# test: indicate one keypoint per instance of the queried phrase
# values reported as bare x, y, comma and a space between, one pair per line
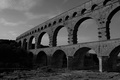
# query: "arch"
74, 14
32, 32
41, 28
76, 28
41, 59
56, 34
83, 11
110, 16
105, 2
38, 29
93, 7
25, 44
35, 31
59, 59
66, 18
39, 43
32, 42
114, 59
49, 24
45, 26
54, 22
85, 58
60, 20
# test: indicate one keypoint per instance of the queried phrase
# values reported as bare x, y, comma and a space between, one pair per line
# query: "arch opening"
43, 40
60, 20
59, 59
94, 6
86, 59
41, 59
85, 30
83, 11
49, 24
54, 22
105, 2
113, 23
45, 26
25, 44
32, 43
41, 28
60, 36
74, 14
114, 59
66, 18
38, 29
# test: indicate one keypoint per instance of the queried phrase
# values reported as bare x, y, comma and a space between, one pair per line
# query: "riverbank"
61, 74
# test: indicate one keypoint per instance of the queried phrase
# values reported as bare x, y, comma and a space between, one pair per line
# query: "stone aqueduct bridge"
73, 55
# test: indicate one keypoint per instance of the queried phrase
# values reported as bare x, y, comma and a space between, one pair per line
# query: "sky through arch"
87, 31
62, 37
115, 26
45, 39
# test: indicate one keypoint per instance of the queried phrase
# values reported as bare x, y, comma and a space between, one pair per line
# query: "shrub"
13, 56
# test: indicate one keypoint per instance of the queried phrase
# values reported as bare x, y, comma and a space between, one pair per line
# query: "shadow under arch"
30, 58
32, 42
25, 44
55, 35
39, 45
76, 28
93, 7
41, 59
83, 59
30, 54
20, 43
105, 2
59, 59
110, 16
114, 60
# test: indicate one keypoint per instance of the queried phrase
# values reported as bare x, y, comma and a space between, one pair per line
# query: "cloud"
45, 15
65, 1
9, 35
3, 4
7, 23
12, 33
21, 5
32, 16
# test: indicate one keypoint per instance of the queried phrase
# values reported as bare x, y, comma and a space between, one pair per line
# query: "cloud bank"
21, 5
7, 23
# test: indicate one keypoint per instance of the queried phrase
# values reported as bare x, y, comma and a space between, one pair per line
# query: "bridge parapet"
102, 48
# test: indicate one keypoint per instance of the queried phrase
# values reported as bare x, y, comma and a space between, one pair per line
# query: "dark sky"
18, 16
